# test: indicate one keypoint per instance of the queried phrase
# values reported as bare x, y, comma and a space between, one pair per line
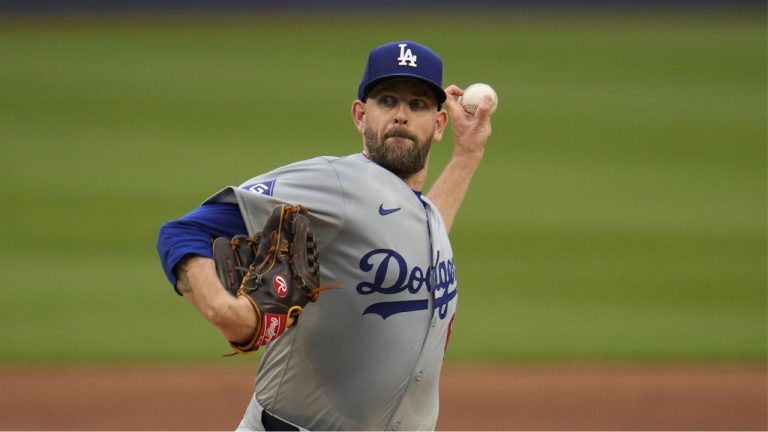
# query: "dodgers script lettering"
387, 265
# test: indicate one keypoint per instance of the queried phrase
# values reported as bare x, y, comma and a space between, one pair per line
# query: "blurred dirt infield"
530, 398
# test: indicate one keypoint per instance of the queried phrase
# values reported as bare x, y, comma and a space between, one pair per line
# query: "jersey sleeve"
192, 233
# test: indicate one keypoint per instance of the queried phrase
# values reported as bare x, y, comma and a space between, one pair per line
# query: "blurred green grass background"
619, 214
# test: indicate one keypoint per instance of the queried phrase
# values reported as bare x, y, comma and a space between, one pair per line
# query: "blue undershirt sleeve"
193, 232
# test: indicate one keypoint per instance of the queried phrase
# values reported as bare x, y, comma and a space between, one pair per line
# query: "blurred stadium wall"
343, 6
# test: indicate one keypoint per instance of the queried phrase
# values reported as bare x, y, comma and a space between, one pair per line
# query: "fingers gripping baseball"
470, 130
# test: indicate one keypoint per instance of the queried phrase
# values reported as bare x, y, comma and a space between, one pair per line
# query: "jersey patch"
263, 188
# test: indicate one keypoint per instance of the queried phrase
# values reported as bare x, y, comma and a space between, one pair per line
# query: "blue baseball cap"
406, 59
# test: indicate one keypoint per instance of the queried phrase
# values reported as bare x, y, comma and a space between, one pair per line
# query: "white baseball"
474, 94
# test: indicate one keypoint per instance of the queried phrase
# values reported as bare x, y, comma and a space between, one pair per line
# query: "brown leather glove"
277, 270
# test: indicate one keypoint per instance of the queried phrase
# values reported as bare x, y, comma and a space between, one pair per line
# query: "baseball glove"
277, 270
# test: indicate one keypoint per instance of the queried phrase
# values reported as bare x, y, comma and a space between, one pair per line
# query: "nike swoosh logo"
384, 212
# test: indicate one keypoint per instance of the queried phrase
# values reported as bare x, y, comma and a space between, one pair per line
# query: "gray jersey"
367, 356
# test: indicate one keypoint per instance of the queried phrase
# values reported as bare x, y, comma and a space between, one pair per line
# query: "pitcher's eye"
387, 101
419, 104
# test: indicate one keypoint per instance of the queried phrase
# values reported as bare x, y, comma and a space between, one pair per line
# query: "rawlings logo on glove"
272, 327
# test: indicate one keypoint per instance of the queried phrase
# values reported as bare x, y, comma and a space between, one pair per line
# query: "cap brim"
436, 89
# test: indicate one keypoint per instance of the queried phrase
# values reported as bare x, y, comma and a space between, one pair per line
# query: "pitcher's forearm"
451, 186
199, 283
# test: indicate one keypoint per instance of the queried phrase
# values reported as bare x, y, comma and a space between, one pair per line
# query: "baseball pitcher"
340, 267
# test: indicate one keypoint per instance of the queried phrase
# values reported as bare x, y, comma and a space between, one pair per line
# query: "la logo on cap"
406, 56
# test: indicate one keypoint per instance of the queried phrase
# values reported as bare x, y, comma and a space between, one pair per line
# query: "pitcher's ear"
440, 123
358, 115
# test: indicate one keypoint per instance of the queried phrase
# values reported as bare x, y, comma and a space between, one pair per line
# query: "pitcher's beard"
403, 161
